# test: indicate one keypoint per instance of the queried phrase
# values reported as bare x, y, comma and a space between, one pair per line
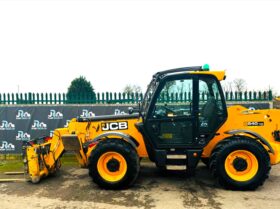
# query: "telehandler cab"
182, 119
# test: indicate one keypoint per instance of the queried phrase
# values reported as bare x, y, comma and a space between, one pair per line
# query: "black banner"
22, 123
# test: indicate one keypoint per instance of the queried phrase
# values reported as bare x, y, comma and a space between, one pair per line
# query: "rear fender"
251, 133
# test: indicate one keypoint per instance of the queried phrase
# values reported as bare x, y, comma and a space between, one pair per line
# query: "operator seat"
208, 115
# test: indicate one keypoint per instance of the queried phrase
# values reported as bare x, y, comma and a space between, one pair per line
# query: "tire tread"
131, 157
235, 141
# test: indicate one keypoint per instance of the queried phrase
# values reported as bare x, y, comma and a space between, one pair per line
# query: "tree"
239, 84
168, 86
80, 88
227, 86
128, 89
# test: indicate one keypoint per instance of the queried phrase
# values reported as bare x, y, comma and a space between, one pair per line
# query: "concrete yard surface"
73, 188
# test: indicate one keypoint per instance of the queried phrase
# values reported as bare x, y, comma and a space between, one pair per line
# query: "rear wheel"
240, 163
114, 164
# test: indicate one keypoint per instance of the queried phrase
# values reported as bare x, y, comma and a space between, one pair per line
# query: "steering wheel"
168, 109
163, 111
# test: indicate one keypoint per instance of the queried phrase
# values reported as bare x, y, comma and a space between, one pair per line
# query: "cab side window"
175, 99
211, 109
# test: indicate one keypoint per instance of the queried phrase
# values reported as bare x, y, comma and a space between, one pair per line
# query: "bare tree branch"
239, 84
132, 89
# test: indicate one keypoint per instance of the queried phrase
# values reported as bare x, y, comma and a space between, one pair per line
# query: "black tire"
245, 144
126, 151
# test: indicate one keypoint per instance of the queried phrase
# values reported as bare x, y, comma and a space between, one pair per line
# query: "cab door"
212, 108
172, 119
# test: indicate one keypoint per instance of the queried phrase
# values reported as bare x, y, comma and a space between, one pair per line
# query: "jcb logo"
114, 126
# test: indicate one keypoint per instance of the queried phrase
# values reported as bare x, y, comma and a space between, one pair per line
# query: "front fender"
129, 139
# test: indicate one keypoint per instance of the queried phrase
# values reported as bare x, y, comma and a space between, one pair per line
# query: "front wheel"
114, 164
240, 163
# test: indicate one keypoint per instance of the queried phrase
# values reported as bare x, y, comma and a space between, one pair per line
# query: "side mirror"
132, 110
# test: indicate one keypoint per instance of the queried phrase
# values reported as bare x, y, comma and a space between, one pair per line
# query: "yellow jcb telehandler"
182, 119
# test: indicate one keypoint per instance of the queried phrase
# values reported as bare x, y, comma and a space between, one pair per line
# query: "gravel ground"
73, 188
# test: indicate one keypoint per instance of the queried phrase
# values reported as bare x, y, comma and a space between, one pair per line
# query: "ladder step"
176, 157
176, 167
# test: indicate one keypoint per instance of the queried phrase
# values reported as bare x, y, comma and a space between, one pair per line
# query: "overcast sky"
46, 44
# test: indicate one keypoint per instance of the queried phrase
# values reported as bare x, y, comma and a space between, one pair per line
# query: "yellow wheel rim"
241, 165
112, 166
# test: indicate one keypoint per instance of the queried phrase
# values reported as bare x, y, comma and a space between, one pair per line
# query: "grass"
10, 163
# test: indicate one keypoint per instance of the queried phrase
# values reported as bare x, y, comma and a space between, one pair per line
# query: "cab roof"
220, 75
